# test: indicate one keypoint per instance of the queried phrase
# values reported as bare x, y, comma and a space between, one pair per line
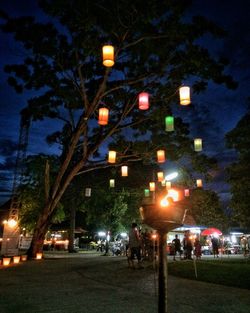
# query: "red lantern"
186, 192
143, 101
103, 116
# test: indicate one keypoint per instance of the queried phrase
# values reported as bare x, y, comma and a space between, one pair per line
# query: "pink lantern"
143, 101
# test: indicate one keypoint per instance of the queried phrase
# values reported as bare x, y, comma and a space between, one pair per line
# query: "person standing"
215, 246
177, 246
134, 246
197, 248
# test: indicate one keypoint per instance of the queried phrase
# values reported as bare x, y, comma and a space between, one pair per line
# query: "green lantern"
111, 183
146, 192
169, 123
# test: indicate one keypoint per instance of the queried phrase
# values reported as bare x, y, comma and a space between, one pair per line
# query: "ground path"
92, 283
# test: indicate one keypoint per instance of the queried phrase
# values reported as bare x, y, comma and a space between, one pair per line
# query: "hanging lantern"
197, 144
16, 259
160, 176
169, 123
112, 157
186, 192
124, 170
143, 101
103, 116
108, 55
163, 183
146, 193
184, 95
152, 186
111, 183
24, 257
168, 185
199, 182
160, 156
87, 192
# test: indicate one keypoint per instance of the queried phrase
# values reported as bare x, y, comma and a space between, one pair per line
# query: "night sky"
213, 114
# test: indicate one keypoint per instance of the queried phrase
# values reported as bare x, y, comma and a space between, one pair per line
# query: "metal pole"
162, 278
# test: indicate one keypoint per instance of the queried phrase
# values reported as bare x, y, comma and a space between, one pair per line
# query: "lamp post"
163, 214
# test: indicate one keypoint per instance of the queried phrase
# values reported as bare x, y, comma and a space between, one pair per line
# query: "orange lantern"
108, 55
199, 182
184, 95
112, 157
6, 261
103, 116
160, 156
143, 101
152, 186
124, 170
39, 256
186, 192
24, 257
16, 259
160, 176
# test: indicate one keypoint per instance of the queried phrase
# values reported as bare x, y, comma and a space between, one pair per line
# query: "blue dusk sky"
213, 114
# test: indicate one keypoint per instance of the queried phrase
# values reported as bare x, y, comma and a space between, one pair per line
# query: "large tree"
238, 172
156, 50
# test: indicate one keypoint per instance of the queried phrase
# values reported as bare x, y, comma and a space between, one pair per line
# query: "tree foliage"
238, 172
206, 209
156, 50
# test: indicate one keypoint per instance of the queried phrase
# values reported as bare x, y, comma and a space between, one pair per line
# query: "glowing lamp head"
164, 202
108, 55
184, 93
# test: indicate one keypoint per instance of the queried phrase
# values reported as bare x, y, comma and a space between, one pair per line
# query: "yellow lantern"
24, 257
108, 55
160, 176
87, 192
186, 192
111, 183
184, 95
199, 182
6, 261
160, 156
39, 256
103, 116
163, 183
124, 170
152, 186
168, 185
112, 157
197, 144
16, 259
143, 101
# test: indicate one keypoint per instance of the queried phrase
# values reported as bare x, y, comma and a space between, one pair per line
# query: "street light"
163, 213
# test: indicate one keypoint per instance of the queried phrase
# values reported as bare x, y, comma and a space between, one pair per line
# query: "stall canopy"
211, 231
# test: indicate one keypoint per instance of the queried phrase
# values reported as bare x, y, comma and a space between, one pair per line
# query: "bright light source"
164, 202
12, 223
101, 234
124, 235
174, 194
171, 176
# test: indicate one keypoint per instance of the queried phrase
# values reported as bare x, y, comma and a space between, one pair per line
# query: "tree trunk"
71, 247
39, 233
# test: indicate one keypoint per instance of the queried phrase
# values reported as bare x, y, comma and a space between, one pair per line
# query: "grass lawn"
234, 273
